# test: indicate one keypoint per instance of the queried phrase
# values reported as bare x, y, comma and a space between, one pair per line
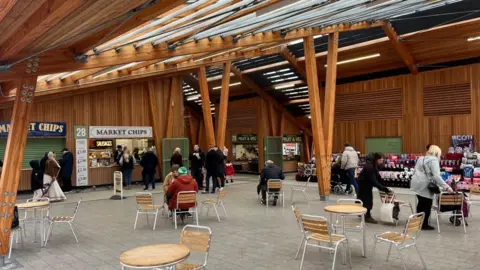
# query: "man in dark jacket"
197, 161
66, 164
221, 168
270, 171
36, 179
149, 163
211, 164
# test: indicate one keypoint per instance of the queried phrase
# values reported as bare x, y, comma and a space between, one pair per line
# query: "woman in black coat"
369, 178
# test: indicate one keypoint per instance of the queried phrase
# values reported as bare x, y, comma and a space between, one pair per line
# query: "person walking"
270, 171
369, 178
349, 164
176, 157
197, 162
211, 164
66, 162
427, 170
149, 162
127, 163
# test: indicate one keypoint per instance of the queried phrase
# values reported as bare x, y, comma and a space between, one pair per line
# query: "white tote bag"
386, 212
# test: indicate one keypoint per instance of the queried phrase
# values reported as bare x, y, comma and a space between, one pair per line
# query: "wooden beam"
174, 92
207, 112
155, 114
84, 74
316, 115
48, 15
273, 124
223, 108
56, 61
282, 124
267, 97
12, 166
402, 50
292, 60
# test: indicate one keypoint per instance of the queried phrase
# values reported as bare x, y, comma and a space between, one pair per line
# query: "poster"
463, 141
81, 155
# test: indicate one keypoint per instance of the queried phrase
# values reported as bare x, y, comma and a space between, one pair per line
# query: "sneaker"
213, 192
205, 192
370, 220
427, 228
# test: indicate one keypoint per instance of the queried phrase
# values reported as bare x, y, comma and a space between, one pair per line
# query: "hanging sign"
120, 132
463, 141
81, 155
244, 138
38, 129
292, 138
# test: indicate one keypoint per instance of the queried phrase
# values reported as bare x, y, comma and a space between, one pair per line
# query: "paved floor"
252, 237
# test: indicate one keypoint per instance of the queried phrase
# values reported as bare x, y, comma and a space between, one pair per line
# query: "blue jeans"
351, 178
149, 178
127, 176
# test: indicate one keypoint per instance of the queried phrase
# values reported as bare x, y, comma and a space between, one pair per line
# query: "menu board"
81, 155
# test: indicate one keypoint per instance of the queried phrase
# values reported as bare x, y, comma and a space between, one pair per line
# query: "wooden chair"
298, 217
184, 197
146, 206
197, 239
474, 198
64, 220
404, 239
351, 222
275, 184
317, 230
391, 198
15, 232
452, 201
216, 203
302, 187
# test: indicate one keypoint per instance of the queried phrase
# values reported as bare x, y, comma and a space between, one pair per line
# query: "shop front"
245, 153
292, 151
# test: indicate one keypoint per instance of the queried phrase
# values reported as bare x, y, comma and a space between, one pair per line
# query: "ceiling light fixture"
473, 38
220, 87
357, 59
284, 86
193, 97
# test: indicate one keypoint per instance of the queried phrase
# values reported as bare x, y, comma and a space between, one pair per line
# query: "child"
229, 171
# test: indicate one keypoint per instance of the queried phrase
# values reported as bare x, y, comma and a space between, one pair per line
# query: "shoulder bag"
432, 186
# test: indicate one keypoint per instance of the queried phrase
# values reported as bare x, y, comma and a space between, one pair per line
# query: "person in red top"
229, 171
183, 182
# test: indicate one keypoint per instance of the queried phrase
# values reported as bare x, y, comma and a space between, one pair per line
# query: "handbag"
432, 186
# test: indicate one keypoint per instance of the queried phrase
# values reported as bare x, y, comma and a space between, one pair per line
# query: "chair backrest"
387, 197
350, 201
414, 225
186, 197
144, 198
222, 194
197, 238
475, 193
316, 224
274, 184
298, 216
451, 199
76, 209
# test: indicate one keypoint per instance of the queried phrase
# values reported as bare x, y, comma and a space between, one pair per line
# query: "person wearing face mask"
127, 162
369, 178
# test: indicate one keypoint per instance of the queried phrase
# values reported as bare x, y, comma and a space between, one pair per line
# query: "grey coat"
349, 158
427, 169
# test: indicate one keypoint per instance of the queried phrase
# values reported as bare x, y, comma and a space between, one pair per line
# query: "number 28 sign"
81, 132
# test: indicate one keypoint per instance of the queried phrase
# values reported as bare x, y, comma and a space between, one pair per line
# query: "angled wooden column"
12, 165
316, 116
222, 112
173, 92
155, 114
402, 50
207, 112
273, 122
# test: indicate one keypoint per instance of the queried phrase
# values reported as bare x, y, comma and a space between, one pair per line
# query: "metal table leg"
35, 225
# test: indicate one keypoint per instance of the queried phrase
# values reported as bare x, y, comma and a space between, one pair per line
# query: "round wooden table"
154, 256
39, 205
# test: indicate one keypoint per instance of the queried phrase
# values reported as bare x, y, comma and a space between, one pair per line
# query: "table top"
32, 204
155, 255
345, 209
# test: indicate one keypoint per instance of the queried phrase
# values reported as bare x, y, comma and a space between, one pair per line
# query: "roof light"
232, 84
357, 59
194, 97
473, 38
284, 86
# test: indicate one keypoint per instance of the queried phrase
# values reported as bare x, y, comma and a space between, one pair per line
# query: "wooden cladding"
451, 99
373, 105
241, 117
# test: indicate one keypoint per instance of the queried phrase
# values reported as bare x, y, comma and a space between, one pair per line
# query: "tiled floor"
252, 237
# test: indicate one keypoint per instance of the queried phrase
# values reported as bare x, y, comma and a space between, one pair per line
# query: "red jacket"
181, 183
229, 170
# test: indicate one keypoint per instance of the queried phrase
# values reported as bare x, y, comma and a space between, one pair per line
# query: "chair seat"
150, 207
187, 266
325, 238
61, 219
392, 236
210, 201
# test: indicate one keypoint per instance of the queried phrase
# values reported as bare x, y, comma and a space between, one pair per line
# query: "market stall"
245, 153
292, 145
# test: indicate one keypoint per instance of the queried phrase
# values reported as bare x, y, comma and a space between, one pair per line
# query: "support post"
223, 108
174, 86
273, 124
16, 142
155, 114
207, 112
316, 116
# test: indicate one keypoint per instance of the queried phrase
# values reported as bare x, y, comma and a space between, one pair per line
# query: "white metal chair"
406, 238
146, 206
391, 198
186, 197
317, 230
473, 198
450, 204
301, 187
197, 239
352, 223
15, 232
216, 203
63, 219
26, 219
274, 188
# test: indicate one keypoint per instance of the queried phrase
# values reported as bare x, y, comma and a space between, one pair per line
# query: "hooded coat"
369, 178
149, 162
36, 178
181, 183
66, 162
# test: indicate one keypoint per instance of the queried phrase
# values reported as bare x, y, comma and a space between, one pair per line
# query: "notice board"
385, 145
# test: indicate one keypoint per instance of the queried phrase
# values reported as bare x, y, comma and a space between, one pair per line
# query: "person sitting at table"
270, 171
369, 178
183, 182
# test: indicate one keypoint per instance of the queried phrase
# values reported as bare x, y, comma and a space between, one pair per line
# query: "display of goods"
396, 177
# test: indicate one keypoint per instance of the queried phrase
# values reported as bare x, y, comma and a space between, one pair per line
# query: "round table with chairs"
155, 256
35, 206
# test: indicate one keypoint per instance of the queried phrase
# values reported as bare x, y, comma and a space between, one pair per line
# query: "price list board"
81, 155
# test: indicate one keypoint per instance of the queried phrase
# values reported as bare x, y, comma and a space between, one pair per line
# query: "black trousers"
67, 183
424, 205
198, 176
222, 179
214, 176
149, 178
264, 192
